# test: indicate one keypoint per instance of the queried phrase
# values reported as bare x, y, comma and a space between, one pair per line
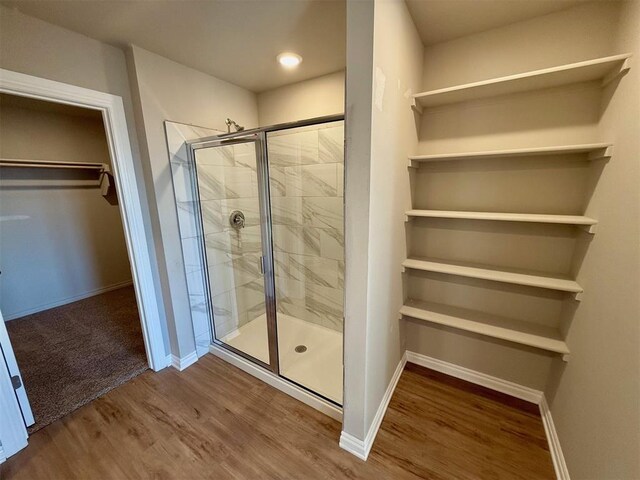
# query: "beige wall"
384, 54
595, 398
357, 164
166, 90
34, 47
60, 238
571, 35
393, 134
312, 98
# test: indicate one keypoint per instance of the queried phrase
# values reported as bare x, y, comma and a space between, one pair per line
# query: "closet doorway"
66, 289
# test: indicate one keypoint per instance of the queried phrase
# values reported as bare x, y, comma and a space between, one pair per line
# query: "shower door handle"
261, 264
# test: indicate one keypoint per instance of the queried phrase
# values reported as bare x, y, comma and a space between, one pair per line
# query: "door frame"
129, 189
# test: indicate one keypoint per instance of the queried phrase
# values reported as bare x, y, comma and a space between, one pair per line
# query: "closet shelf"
25, 163
593, 151
530, 279
105, 181
604, 69
523, 333
504, 217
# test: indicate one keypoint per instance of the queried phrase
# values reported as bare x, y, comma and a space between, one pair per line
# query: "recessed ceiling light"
289, 60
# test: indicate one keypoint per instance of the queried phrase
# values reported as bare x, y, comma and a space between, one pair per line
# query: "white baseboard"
168, 361
180, 363
278, 382
559, 464
479, 378
354, 445
64, 301
361, 448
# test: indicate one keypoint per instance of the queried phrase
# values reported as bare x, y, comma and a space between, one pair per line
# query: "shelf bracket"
565, 357
415, 106
578, 296
591, 229
624, 68
604, 153
106, 180
403, 269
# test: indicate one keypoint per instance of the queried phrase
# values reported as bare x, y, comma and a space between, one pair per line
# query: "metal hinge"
16, 382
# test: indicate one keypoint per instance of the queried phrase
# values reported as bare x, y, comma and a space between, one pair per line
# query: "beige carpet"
72, 354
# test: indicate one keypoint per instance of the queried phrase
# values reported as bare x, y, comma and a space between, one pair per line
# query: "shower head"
230, 122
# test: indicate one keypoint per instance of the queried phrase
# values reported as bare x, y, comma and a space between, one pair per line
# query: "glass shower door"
232, 204
306, 170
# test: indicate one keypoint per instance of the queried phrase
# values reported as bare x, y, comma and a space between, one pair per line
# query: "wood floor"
215, 421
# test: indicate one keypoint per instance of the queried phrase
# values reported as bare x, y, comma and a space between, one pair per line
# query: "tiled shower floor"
319, 368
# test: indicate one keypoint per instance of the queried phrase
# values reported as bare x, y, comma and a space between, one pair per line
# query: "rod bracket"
106, 180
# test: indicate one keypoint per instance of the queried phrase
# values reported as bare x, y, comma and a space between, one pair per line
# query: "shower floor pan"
318, 368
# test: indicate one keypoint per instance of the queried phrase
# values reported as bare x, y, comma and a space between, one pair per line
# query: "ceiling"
441, 20
235, 40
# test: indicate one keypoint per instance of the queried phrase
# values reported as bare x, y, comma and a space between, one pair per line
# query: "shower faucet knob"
236, 219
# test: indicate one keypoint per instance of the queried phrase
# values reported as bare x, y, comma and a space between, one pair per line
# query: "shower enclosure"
270, 207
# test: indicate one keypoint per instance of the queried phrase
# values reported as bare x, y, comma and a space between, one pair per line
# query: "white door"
13, 432
14, 372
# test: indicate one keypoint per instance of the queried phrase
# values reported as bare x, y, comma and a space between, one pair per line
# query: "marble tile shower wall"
182, 175
228, 181
306, 169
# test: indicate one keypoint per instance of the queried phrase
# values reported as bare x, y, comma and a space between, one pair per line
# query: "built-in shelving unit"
532, 334
603, 69
523, 333
530, 279
591, 151
506, 217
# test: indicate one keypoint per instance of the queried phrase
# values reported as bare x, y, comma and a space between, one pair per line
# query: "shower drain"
301, 349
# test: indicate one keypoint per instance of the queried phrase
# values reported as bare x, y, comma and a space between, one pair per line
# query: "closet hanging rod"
19, 162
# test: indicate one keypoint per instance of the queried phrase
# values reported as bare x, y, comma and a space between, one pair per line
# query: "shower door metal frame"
262, 160
273, 128
268, 275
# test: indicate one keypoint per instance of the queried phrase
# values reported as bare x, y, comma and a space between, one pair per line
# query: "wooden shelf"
505, 217
523, 333
531, 279
593, 151
603, 69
